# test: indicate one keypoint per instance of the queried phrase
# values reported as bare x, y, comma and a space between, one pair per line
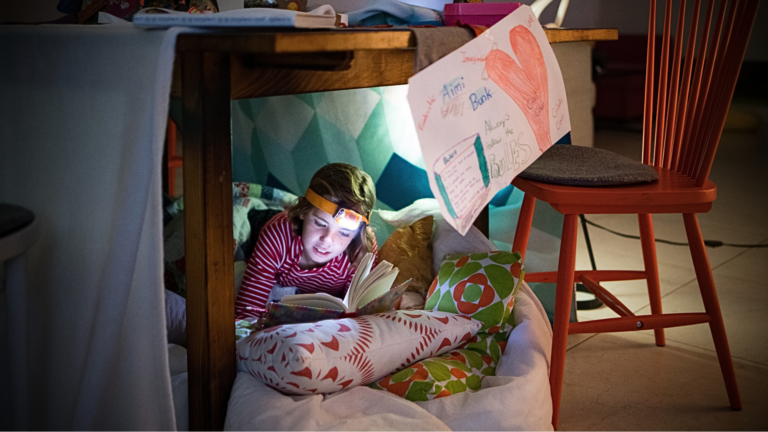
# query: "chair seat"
673, 193
575, 165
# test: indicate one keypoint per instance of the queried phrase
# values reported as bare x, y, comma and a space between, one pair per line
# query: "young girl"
312, 246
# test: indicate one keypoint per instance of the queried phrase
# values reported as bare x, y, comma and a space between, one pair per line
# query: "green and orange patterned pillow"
451, 373
481, 286
454, 372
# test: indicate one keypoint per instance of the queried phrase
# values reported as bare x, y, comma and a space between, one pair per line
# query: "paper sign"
485, 112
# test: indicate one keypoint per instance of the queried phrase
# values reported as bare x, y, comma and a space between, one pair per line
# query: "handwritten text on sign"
485, 112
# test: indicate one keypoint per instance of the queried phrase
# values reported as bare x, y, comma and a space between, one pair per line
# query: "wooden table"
212, 69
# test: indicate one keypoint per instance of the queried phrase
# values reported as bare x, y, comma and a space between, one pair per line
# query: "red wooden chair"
682, 128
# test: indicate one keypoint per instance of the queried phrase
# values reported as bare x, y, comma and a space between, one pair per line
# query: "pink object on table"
485, 14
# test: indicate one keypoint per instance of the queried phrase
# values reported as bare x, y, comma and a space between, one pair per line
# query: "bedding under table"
210, 70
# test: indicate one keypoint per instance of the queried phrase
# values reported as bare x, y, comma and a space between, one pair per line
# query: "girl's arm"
261, 272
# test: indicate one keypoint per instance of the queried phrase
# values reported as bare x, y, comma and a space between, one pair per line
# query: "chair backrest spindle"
695, 94
661, 107
694, 142
672, 105
685, 96
683, 126
736, 49
649, 72
704, 137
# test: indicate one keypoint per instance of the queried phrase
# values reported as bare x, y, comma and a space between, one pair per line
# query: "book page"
380, 270
386, 302
363, 270
377, 288
362, 286
318, 300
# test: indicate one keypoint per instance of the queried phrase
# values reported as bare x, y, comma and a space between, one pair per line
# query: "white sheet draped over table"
82, 120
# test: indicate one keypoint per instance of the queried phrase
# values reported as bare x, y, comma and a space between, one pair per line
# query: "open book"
323, 16
369, 292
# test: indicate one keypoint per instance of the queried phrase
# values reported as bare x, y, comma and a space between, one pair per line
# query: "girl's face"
323, 238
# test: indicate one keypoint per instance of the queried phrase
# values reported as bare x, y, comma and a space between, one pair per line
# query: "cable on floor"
710, 243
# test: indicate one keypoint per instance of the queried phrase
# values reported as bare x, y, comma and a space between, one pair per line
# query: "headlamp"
346, 218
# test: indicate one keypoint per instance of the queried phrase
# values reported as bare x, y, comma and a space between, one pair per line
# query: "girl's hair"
349, 187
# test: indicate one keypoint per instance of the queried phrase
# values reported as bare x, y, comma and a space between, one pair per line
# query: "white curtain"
82, 120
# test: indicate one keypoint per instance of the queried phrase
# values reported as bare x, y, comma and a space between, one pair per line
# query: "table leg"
209, 250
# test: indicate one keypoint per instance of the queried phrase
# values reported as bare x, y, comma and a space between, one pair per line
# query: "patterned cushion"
480, 286
491, 344
409, 249
332, 355
454, 372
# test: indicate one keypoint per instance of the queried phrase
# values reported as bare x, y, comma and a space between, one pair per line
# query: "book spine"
159, 20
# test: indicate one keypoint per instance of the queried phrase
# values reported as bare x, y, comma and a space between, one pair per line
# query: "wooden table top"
291, 61
304, 41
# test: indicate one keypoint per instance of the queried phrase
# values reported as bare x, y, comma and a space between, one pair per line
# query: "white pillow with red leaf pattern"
332, 355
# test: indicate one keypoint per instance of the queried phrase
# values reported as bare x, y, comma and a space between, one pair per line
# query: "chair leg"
524, 222
712, 307
563, 299
650, 262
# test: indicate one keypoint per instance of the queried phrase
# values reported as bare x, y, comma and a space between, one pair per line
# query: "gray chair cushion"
573, 165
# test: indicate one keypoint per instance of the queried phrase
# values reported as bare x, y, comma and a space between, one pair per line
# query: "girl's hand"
260, 324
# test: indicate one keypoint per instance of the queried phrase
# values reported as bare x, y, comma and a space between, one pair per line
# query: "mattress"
517, 398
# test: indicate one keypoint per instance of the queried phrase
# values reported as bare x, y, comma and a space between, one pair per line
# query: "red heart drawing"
525, 83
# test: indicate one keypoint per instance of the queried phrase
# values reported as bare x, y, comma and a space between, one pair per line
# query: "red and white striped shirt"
275, 260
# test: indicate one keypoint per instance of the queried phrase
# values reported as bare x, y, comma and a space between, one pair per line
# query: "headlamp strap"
325, 205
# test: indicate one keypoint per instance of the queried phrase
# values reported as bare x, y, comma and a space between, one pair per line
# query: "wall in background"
629, 16
623, 13
30, 11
